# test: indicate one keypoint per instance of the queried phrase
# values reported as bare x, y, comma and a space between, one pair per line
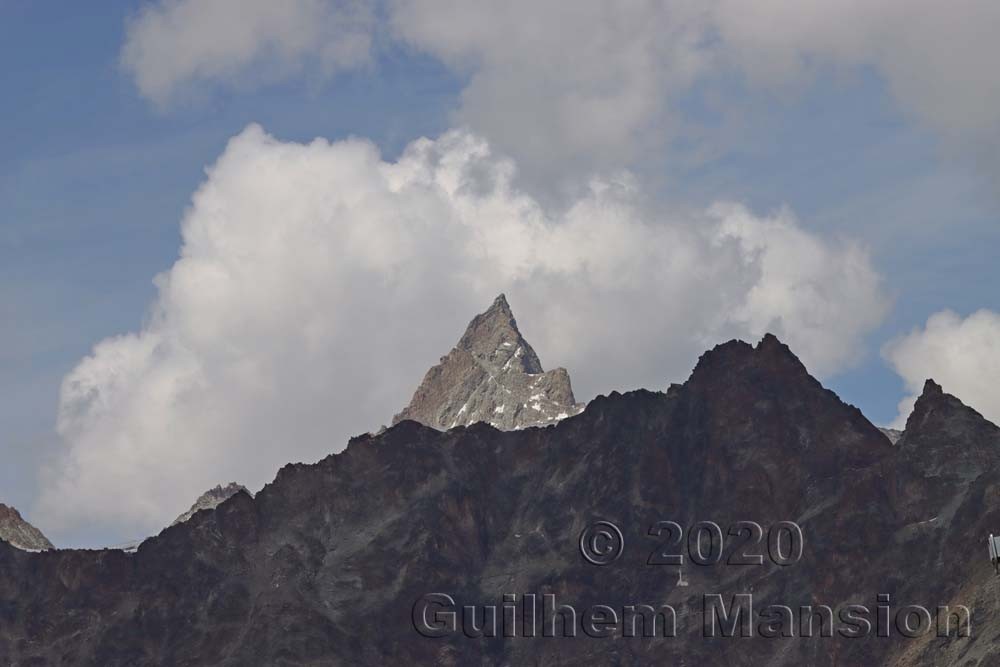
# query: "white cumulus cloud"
960, 354
316, 284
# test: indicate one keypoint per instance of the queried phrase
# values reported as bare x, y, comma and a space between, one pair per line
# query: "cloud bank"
962, 355
316, 283
599, 84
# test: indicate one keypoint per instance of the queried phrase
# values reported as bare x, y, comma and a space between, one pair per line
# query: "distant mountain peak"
18, 532
211, 499
492, 375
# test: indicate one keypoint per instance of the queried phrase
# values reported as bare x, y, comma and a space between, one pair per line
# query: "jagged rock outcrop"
324, 566
492, 375
211, 499
18, 532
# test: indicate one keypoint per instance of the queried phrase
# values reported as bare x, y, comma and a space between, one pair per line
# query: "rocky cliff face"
211, 499
326, 565
18, 532
492, 375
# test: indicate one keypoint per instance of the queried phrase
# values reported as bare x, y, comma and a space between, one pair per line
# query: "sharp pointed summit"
492, 375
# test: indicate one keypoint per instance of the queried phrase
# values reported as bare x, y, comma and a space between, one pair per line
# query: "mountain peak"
769, 358
494, 329
492, 375
932, 388
15, 530
771, 343
932, 397
211, 499
771, 347
500, 303
935, 407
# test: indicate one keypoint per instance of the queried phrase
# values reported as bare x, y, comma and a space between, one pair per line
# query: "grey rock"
21, 534
893, 434
211, 499
494, 376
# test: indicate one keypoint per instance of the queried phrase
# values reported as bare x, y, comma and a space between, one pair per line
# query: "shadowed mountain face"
494, 376
19, 532
325, 565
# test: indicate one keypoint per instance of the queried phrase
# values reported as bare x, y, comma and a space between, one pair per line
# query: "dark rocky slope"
323, 567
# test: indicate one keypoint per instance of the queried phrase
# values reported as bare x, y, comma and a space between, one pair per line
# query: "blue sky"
95, 179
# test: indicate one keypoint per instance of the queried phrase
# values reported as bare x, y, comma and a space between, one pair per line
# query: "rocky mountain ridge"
326, 565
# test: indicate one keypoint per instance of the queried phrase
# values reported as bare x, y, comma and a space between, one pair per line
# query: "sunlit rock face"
18, 532
494, 376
